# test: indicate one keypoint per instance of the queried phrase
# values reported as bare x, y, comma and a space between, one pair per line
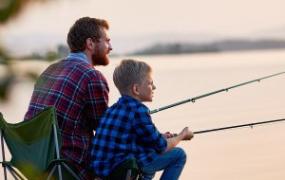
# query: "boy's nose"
110, 47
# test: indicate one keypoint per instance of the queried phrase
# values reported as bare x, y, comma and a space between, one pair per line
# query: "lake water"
248, 154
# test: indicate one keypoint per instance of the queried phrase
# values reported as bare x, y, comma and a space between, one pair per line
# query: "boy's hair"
83, 29
128, 73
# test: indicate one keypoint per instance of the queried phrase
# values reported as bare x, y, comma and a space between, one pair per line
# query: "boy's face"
145, 89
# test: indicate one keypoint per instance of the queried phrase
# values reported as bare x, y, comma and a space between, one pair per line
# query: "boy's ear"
135, 89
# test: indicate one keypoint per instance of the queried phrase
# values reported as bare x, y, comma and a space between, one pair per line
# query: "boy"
126, 130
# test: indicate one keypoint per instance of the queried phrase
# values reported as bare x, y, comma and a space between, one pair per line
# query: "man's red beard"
100, 58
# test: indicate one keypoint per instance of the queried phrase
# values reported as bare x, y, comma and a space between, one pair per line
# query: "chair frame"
58, 164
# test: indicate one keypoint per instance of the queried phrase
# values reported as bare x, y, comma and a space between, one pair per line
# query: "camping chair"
34, 148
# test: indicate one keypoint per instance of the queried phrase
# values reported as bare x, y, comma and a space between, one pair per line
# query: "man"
77, 90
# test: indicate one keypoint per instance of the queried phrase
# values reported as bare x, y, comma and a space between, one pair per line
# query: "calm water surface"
248, 154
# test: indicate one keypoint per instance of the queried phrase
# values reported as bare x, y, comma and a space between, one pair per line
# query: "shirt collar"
131, 101
78, 55
129, 98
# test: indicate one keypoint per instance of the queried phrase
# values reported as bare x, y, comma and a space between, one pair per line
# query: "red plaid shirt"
80, 96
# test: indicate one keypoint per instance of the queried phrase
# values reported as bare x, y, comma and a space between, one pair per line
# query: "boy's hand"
186, 134
169, 135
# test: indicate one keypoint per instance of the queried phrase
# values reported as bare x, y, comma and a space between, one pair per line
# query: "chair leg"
70, 171
57, 150
17, 174
3, 155
51, 173
5, 173
59, 172
129, 175
14, 173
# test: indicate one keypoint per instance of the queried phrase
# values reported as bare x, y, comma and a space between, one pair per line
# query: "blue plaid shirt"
125, 131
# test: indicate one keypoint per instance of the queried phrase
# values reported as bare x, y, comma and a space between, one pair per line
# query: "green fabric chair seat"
32, 143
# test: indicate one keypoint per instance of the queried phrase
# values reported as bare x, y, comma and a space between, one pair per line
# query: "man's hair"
83, 29
128, 73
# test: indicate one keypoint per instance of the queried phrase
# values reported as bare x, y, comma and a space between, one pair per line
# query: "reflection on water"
248, 154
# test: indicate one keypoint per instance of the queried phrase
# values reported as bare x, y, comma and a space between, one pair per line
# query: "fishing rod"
212, 93
236, 126
239, 126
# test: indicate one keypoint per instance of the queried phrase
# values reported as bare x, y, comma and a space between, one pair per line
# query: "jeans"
172, 162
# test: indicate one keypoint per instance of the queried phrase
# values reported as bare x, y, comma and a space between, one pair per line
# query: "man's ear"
135, 89
89, 43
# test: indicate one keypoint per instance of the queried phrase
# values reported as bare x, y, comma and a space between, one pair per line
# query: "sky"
135, 23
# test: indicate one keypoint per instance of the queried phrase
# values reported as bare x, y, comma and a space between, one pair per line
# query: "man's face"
102, 49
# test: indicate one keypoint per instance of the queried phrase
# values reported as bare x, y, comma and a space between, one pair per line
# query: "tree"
9, 9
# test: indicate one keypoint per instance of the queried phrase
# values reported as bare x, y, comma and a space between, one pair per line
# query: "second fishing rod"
193, 99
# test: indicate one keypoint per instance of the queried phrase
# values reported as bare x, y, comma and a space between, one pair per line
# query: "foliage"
3, 57
12, 8
9, 9
5, 86
7, 80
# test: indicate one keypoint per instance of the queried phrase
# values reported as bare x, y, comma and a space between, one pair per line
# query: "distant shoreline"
212, 47
175, 48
